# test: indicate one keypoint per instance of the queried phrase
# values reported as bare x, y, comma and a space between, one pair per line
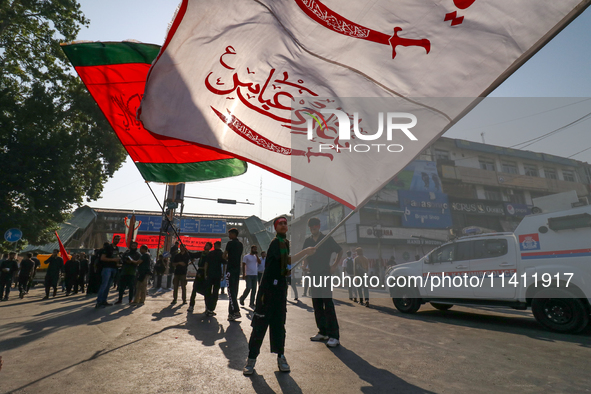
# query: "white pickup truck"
545, 265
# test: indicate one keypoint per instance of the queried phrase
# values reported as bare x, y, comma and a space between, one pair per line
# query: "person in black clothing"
71, 271
82, 274
174, 250
199, 282
8, 269
144, 271
319, 265
271, 305
159, 270
131, 259
213, 269
233, 255
25, 273
180, 263
94, 274
37, 264
52, 275
109, 261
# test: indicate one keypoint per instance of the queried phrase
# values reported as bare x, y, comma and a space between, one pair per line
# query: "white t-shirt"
251, 264
262, 265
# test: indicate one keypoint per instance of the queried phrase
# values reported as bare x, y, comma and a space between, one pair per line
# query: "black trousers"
71, 283
212, 292
276, 325
51, 281
233, 282
23, 283
126, 281
326, 317
5, 282
80, 283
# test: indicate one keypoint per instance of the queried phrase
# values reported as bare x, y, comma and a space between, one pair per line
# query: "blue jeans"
251, 287
107, 276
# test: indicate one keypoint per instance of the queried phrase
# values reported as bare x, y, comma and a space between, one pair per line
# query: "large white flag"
269, 81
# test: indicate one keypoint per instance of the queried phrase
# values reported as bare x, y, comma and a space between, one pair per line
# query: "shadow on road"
380, 380
521, 323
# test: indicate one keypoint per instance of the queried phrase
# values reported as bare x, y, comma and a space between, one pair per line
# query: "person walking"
159, 270
55, 266
71, 272
250, 263
180, 263
8, 270
143, 274
233, 254
131, 259
361, 266
349, 270
319, 265
109, 260
199, 282
26, 268
84, 268
271, 304
37, 264
213, 269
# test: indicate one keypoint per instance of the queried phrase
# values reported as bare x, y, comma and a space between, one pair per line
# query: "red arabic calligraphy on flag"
232, 75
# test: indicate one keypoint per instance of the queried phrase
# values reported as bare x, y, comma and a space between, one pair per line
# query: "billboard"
151, 241
419, 175
425, 209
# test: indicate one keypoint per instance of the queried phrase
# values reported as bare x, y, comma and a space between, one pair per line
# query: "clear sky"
559, 71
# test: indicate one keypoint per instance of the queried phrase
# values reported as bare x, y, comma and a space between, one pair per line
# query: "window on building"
493, 193
550, 173
587, 171
530, 170
487, 164
510, 167
515, 196
569, 175
441, 154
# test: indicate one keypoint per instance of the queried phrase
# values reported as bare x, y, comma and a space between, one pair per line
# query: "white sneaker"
318, 337
282, 364
333, 342
249, 367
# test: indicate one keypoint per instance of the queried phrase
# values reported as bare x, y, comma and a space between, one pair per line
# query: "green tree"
56, 147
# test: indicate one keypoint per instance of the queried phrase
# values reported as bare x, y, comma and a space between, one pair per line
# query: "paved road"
64, 345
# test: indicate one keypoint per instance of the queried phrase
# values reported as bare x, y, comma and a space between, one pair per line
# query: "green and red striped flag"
115, 75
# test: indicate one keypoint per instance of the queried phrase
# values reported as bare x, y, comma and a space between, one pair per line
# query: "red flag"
62, 249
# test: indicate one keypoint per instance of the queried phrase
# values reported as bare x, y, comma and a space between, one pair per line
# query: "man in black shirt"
55, 265
37, 264
131, 259
26, 269
8, 268
233, 255
213, 269
271, 305
199, 282
144, 272
319, 265
109, 260
180, 263
71, 271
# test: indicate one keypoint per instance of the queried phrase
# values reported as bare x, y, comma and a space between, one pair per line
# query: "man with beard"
200, 275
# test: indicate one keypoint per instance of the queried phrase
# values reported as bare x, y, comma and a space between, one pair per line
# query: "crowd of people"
267, 278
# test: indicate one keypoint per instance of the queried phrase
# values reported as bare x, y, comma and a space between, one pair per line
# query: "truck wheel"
441, 307
409, 302
561, 314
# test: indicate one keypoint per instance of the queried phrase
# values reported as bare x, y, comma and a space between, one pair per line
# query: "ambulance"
544, 265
